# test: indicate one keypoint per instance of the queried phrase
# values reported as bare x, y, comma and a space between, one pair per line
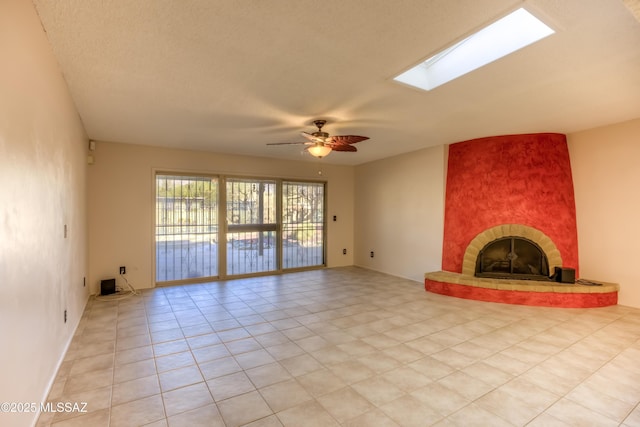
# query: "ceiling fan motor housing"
318, 134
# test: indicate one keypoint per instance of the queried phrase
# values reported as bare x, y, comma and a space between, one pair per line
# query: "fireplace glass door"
512, 257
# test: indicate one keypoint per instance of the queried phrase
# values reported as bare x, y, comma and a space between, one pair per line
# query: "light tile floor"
346, 347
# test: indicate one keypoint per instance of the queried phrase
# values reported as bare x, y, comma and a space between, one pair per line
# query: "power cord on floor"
120, 294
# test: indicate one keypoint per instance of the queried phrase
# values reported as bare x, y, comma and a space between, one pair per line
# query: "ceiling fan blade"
343, 147
346, 139
289, 143
311, 137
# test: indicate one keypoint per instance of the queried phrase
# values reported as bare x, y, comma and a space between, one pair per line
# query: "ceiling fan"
320, 144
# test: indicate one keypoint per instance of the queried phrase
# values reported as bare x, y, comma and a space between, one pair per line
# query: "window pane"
302, 224
186, 227
251, 252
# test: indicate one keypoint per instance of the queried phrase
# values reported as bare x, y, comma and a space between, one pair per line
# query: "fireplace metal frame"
504, 230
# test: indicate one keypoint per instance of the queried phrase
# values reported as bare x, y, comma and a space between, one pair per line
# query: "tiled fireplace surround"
512, 185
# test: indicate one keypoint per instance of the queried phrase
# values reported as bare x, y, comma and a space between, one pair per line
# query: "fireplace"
515, 252
497, 182
512, 257
510, 212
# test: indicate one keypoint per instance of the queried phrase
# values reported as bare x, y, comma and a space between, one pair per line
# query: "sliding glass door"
211, 227
186, 234
302, 224
251, 226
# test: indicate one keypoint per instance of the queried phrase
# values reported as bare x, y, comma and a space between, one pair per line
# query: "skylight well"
506, 35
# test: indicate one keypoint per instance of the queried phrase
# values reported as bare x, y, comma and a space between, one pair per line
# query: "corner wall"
42, 172
122, 202
607, 189
400, 213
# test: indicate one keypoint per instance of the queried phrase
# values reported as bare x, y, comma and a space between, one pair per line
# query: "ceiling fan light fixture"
319, 150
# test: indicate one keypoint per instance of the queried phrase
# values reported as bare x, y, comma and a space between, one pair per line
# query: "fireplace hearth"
512, 257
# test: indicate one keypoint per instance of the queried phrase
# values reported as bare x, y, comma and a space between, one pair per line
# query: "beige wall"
43, 175
121, 202
400, 213
606, 178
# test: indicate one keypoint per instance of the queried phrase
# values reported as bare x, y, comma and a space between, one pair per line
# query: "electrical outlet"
371, 254
344, 252
123, 270
65, 316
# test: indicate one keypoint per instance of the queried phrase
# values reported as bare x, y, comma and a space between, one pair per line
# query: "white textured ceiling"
232, 75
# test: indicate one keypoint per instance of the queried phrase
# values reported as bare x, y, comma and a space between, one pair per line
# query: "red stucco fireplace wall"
512, 179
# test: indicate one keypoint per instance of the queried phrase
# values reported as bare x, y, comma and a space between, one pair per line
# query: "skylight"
506, 35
